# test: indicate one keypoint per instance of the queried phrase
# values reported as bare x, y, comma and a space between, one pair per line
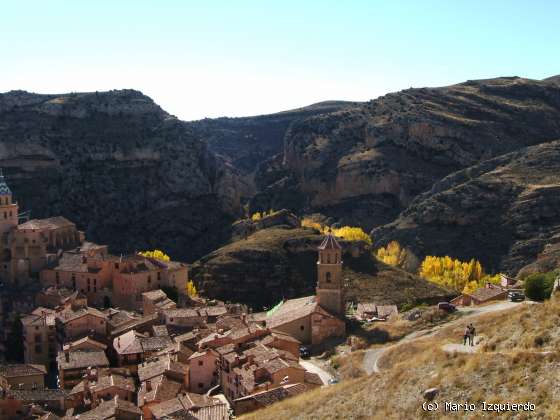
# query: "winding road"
372, 356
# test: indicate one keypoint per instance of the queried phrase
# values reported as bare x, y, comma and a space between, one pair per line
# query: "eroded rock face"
124, 170
366, 164
503, 212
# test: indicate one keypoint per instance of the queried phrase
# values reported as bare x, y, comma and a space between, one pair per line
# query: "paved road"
313, 368
372, 356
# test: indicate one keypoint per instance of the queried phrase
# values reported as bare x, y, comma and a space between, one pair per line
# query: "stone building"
39, 337
22, 376
26, 248
73, 365
313, 319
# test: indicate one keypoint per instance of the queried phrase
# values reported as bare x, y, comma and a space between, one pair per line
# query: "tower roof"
4, 189
329, 242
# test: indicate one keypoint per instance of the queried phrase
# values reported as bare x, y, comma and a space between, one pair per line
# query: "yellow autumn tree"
452, 273
191, 289
352, 233
306, 222
155, 254
256, 216
348, 233
393, 254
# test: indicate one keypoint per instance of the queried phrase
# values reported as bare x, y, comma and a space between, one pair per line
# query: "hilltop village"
102, 339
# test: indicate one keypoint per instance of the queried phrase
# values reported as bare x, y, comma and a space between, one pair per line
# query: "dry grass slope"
517, 362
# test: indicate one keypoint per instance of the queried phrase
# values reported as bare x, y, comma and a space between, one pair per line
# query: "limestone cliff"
124, 170
364, 165
504, 211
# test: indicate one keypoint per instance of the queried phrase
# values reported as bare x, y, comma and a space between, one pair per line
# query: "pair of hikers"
468, 336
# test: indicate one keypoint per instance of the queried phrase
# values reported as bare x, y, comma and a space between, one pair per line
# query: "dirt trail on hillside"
373, 356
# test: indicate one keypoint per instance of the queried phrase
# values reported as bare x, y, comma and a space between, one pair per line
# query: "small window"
38, 349
116, 265
200, 362
301, 327
200, 384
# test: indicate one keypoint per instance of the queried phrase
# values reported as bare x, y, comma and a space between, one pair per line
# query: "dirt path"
314, 368
373, 356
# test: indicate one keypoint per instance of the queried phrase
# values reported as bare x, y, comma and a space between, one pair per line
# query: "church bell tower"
330, 293
8, 209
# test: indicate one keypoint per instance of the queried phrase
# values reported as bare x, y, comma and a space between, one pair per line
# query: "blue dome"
4, 189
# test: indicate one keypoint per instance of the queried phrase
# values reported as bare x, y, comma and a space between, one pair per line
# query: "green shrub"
539, 286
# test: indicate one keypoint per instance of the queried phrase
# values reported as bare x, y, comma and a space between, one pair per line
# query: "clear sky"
233, 58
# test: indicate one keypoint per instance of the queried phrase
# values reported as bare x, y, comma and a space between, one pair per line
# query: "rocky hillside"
366, 164
280, 262
130, 174
124, 170
247, 142
504, 211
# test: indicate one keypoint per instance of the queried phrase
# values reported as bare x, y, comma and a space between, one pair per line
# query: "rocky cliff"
504, 211
366, 164
248, 141
124, 170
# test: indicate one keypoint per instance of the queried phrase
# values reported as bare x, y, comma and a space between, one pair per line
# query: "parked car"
333, 381
447, 307
516, 296
304, 352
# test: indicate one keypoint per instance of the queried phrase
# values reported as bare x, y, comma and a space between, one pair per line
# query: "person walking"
472, 334
466, 335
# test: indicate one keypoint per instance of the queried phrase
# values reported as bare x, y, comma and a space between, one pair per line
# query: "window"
200, 384
328, 277
116, 265
36, 328
5, 215
94, 289
38, 349
328, 258
159, 276
149, 279
200, 362
301, 327
37, 338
